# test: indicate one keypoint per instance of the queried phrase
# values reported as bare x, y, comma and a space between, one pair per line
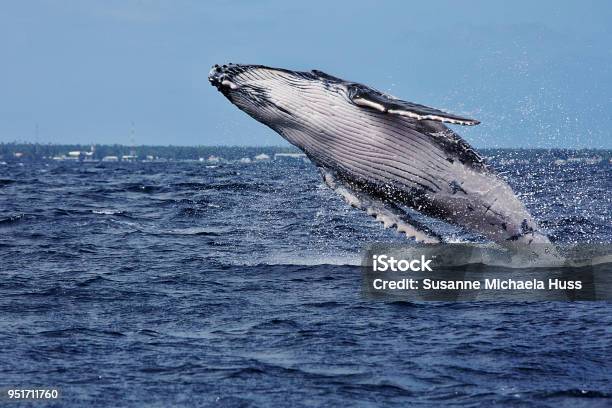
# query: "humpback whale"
384, 155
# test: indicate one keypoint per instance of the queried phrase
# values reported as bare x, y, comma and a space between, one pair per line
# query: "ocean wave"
6, 182
12, 219
108, 211
309, 259
207, 231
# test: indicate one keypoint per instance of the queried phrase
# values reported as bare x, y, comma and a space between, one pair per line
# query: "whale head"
279, 98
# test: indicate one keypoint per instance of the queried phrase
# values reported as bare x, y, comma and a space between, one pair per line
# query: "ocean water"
237, 284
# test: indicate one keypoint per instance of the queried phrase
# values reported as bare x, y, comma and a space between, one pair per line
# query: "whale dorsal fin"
364, 96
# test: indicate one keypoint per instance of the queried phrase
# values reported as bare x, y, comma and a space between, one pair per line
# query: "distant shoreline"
217, 154
98, 152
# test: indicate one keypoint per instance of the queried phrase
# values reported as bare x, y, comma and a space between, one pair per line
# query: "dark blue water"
181, 284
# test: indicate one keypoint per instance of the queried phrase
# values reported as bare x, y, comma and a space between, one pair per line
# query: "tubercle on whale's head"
273, 96
220, 77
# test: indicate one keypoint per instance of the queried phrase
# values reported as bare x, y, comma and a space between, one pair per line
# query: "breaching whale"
382, 154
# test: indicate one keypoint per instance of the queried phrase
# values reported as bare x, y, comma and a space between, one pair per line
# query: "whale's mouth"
221, 78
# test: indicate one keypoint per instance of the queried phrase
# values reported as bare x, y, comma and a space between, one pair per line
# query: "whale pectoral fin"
390, 215
362, 95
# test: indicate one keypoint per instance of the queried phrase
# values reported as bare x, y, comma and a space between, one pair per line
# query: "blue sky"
537, 74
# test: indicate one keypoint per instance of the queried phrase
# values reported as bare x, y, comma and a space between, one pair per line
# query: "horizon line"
271, 146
